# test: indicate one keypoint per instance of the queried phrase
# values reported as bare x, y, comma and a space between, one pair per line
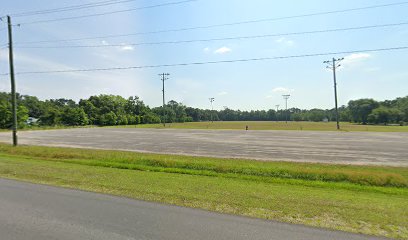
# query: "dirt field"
304, 146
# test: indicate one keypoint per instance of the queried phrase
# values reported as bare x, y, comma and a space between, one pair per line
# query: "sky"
240, 85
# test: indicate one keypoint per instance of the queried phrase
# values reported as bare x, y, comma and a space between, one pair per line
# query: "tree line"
109, 110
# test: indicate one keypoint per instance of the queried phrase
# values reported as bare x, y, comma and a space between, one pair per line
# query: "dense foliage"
105, 110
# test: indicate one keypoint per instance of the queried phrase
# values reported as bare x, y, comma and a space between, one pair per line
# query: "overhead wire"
213, 62
71, 8
215, 25
107, 13
224, 24
220, 39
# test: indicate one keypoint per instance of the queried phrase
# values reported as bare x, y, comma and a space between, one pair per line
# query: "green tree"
108, 119
361, 108
122, 120
402, 105
385, 115
51, 116
6, 117
150, 117
316, 115
33, 105
74, 117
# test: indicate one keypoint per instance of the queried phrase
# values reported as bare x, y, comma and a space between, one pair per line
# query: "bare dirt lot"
305, 146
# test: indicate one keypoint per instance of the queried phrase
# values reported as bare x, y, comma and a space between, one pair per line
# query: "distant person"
246, 128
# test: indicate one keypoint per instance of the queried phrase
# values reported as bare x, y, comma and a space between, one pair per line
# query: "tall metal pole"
212, 109
333, 67
164, 78
277, 111
13, 82
286, 97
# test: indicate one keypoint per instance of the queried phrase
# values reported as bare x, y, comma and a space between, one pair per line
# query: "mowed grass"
253, 125
363, 199
300, 126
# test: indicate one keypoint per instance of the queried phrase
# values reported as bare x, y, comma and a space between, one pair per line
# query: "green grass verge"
363, 199
300, 126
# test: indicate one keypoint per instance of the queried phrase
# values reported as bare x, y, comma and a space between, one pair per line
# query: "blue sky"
246, 85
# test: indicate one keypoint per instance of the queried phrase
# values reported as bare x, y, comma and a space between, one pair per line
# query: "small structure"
31, 121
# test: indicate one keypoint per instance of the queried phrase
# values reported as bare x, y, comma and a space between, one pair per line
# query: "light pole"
286, 97
333, 65
277, 110
212, 109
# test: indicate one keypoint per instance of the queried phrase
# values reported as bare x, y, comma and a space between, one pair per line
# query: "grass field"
306, 126
363, 199
253, 125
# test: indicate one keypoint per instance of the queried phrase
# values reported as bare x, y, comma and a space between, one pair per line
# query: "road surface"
305, 146
38, 212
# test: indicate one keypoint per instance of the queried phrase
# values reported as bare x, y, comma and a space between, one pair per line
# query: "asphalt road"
307, 146
38, 212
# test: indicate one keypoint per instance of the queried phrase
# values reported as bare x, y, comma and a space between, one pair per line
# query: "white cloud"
126, 48
282, 90
223, 93
206, 50
353, 60
122, 47
223, 50
284, 41
356, 57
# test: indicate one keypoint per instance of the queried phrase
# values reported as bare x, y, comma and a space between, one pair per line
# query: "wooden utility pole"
164, 77
13, 82
334, 65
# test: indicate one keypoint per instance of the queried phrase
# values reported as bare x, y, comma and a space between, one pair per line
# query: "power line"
212, 62
226, 24
223, 39
217, 25
71, 8
107, 13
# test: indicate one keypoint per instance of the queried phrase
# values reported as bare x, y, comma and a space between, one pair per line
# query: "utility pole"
277, 110
286, 97
13, 82
333, 65
212, 109
164, 77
